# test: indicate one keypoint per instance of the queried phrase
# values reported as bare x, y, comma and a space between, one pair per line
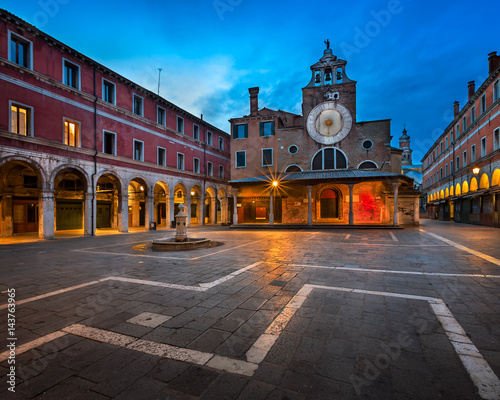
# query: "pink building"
82, 147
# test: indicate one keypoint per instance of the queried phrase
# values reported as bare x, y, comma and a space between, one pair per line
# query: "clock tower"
329, 100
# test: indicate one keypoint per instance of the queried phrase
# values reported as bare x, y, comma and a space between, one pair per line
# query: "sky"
411, 59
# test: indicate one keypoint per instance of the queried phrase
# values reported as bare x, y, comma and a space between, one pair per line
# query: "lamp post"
475, 170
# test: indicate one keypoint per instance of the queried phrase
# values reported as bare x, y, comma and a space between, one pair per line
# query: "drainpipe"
95, 157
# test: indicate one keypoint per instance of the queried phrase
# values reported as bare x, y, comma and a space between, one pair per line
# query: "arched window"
329, 158
329, 204
367, 165
293, 168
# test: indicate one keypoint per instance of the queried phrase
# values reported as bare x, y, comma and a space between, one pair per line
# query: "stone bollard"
180, 223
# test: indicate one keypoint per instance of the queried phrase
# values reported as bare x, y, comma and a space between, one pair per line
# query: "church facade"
321, 167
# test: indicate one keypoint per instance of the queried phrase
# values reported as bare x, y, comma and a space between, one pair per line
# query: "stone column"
149, 204
8, 218
213, 210
271, 207
171, 210
188, 209
351, 203
396, 215
202, 209
309, 206
123, 213
89, 214
46, 214
235, 206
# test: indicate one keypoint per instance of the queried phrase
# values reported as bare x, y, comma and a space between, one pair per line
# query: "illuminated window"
71, 133
108, 91
20, 51
71, 74
20, 119
329, 158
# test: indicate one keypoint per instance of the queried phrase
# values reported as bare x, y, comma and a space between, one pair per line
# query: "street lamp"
475, 170
275, 183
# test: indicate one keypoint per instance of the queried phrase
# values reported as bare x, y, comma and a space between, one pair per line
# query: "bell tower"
404, 144
329, 82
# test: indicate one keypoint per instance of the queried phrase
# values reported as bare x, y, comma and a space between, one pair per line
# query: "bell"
318, 79
328, 77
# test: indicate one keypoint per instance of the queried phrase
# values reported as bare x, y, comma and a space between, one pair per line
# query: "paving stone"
143, 388
74, 388
209, 340
194, 381
225, 387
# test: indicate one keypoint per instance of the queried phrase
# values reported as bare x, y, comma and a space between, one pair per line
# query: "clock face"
329, 122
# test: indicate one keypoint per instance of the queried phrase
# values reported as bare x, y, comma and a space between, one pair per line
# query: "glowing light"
275, 183
475, 170
142, 187
192, 192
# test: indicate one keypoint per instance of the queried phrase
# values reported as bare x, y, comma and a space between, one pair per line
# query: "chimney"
254, 101
494, 61
456, 109
472, 89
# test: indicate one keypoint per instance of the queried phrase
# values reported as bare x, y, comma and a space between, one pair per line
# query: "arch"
329, 158
329, 203
452, 190
137, 191
108, 190
210, 205
465, 187
138, 179
29, 163
495, 178
484, 182
368, 164
446, 192
441, 194
75, 169
293, 168
458, 189
473, 184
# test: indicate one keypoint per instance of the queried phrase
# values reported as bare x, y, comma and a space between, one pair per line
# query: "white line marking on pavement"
464, 248
388, 271
394, 238
31, 345
478, 369
347, 236
202, 287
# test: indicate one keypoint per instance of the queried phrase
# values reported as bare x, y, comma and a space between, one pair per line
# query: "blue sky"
411, 58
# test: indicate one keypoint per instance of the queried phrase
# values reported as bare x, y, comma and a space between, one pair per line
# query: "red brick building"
461, 171
82, 147
321, 167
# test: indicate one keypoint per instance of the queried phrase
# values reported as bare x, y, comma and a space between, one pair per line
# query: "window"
451, 137
266, 128
221, 143
210, 169
109, 143
293, 168
71, 133
108, 91
162, 156
441, 147
267, 157
71, 74
241, 159
483, 146
329, 158
472, 114
367, 165
138, 150
496, 139
451, 166
457, 163
441, 173
221, 171
240, 131
483, 103
446, 142
20, 51
473, 153
180, 161
464, 123
457, 131
196, 165
196, 132
446, 170
293, 149
464, 159
20, 119
138, 102
209, 138
180, 124
496, 90
161, 116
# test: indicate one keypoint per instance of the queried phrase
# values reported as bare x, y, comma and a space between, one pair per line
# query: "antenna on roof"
159, 73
